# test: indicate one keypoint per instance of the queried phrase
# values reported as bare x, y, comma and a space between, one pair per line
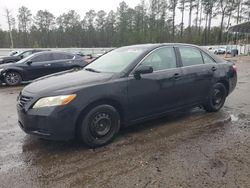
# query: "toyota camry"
123, 87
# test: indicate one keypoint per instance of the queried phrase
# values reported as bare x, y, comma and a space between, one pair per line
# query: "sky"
57, 7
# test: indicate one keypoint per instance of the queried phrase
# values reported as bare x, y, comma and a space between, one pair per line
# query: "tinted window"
207, 59
190, 56
26, 54
61, 56
42, 57
160, 59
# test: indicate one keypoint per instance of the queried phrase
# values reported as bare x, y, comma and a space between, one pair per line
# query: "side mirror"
144, 69
29, 62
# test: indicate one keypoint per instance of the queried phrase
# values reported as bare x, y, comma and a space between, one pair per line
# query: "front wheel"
216, 98
76, 68
100, 126
12, 78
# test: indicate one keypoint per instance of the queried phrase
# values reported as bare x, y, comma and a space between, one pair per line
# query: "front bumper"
53, 123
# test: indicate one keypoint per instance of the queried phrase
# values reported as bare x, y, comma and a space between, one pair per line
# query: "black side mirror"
29, 62
144, 69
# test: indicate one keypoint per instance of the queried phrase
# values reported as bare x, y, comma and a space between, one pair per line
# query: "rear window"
190, 56
207, 59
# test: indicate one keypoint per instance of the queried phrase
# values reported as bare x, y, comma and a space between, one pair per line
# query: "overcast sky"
58, 7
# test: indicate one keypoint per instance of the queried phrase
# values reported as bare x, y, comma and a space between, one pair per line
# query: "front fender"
3, 73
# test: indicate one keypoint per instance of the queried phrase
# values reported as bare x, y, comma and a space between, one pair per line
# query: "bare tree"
182, 9
172, 7
198, 6
10, 22
24, 22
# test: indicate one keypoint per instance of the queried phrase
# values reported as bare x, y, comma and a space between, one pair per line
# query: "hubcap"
101, 124
217, 97
12, 78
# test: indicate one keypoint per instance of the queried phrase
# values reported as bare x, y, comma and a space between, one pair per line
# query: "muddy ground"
188, 149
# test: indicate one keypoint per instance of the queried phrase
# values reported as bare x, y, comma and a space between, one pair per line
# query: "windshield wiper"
91, 70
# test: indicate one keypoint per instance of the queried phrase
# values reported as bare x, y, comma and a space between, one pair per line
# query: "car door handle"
47, 65
176, 76
213, 68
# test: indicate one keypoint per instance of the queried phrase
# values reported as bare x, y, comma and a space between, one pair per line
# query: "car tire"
12, 78
216, 98
76, 68
100, 126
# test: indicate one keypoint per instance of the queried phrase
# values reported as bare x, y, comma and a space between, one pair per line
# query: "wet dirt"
186, 149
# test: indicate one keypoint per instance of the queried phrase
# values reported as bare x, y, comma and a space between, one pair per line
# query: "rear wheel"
216, 98
12, 78
100, 126
76, 68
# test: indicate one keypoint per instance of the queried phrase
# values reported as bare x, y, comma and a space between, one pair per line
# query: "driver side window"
42, 58
161, 59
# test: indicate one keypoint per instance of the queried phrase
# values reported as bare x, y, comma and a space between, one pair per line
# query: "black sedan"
18, 56
123, 87
38, 65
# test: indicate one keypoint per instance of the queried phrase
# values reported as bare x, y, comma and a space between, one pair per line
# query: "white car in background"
220, 50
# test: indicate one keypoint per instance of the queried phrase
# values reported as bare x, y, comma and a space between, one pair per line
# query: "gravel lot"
187, 149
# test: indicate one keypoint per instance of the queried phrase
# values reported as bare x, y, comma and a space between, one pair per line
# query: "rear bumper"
232, 82
48, 123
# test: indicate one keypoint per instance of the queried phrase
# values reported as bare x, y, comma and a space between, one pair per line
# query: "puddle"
234, 118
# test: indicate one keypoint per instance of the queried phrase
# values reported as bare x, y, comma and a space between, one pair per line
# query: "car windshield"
116, 60
18, 53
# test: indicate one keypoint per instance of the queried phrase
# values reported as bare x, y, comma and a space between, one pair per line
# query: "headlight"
1, 70
54, 101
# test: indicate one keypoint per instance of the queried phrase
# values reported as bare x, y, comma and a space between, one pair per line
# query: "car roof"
51, 52
155, 45
151, 46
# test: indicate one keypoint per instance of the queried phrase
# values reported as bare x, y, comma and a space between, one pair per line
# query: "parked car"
123, 87
38, 65
212, 49
12, 53
18, 56
220, 50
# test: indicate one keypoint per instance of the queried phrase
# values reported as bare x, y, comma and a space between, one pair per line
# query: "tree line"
149, 22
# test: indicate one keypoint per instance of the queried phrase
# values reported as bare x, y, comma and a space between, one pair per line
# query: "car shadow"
37, 151
31, 142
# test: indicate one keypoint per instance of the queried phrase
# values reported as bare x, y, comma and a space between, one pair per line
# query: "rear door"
155, 92
197, 75
62, 61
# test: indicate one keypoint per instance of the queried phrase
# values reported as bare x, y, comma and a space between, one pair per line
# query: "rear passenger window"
207, 59
42, 57
62, 56
190, 56
160, 59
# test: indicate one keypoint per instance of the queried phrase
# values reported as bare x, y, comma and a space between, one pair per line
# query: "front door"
155, 92
40, 66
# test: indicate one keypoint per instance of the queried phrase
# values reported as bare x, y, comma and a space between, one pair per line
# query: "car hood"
10, 58
6, 65
64, 82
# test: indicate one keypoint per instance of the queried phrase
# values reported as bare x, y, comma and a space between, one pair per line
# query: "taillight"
234, 67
